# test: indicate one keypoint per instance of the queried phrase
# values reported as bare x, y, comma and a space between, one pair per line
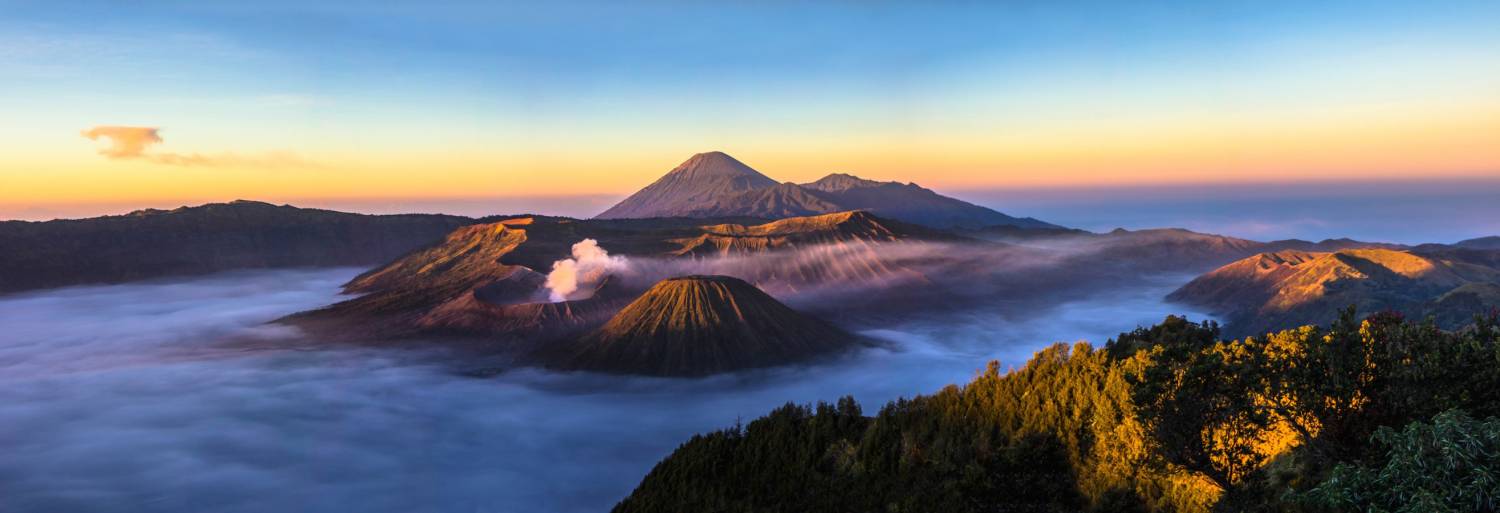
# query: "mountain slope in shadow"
204, 239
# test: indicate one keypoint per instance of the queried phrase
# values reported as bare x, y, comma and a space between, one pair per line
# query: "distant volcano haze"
714, 184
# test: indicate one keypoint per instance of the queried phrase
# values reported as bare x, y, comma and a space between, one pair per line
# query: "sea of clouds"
145, 397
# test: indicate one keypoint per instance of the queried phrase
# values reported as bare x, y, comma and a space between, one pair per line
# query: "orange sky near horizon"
1381, 145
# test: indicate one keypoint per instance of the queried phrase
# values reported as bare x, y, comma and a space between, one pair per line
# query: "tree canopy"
1164, 418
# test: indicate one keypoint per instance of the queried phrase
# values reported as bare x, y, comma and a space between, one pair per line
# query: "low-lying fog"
125, 398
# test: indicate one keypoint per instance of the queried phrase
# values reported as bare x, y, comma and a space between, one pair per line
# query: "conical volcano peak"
717, 164
697, 182
712, 155
713, 158
700, 325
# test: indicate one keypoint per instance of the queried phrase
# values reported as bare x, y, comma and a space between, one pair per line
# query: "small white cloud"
133, 142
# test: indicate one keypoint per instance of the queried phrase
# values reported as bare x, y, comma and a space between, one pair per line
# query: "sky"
111, 106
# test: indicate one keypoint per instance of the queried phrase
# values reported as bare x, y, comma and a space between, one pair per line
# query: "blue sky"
435, 100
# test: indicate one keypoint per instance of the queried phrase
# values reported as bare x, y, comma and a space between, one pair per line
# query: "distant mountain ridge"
1174, 250
714, 184
203, 239
1283, 289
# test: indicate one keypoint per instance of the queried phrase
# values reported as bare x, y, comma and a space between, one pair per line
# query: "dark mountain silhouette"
1491, 242
714, 184
1289, 288
204, 239
700, 325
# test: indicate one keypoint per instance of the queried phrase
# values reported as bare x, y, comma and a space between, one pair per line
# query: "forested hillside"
1379, 414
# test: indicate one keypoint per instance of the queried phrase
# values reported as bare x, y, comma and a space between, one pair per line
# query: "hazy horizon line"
1402, 211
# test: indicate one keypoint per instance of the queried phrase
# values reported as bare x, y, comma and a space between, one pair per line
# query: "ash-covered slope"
700, 325
774, 202
1289, 288
204, 239
716, 185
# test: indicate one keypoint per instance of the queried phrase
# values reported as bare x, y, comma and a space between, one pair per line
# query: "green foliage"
1056, 435
1164, 419
1174, 335
1196, 406
1081, 397
1449, 465
1190, 397
913, 456
1228, 409
794, 455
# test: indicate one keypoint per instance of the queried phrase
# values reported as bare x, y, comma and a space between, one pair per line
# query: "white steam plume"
590, 263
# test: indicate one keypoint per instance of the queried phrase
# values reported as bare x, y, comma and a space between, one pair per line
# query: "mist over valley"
145, 397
